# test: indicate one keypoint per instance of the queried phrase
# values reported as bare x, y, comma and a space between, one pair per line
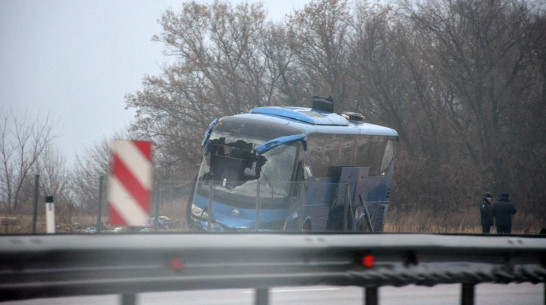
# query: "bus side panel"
318, 215
379, 190
222, 214
319, 196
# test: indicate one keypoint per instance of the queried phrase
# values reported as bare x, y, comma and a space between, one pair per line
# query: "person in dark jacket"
503, 210
486, 213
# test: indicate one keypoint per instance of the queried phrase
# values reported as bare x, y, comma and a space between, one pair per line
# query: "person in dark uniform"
503, 210
486, 213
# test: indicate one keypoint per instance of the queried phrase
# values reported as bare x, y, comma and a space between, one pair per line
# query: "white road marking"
294, 290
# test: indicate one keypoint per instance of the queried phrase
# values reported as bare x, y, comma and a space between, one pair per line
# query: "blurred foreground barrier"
71, 265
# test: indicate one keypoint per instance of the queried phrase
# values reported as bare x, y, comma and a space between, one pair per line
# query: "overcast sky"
75, 60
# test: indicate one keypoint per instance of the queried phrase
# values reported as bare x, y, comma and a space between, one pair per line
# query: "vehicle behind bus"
293, 169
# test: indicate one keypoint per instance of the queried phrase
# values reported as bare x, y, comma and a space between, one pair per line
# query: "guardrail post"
467, 294
371, 296
35, 206
261, 296
50, 215
128, 299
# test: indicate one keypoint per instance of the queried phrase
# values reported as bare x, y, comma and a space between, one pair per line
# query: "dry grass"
77, 222
464, 222
176, 211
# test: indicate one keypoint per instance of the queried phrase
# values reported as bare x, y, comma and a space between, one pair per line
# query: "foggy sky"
75, 61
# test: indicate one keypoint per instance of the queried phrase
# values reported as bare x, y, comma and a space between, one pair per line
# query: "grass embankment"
79, 221
397, 222
448, 222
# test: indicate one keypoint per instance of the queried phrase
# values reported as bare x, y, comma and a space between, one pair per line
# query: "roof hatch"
324, 104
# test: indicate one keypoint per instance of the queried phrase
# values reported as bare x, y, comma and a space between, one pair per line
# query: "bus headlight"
198, 212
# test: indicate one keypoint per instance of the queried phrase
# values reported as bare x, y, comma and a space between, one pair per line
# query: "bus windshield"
233, 170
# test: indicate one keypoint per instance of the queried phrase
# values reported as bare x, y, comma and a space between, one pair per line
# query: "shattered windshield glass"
237, 170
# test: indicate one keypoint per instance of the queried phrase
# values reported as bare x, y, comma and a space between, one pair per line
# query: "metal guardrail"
69, 265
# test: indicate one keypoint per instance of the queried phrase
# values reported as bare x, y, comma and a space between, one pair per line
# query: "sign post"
50, 215
130, 183
99, 213
35, 206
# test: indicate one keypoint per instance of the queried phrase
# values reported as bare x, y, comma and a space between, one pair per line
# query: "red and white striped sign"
130, 183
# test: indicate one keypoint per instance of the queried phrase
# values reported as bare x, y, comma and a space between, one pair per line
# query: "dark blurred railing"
41, 266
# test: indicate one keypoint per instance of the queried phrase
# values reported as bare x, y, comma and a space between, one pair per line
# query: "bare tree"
319, 36
85, 176
475, 46
488, 79
55, 179
462, 81
222, 67
22, 140
379, 70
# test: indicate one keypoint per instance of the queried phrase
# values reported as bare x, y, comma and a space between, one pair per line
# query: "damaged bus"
293, 169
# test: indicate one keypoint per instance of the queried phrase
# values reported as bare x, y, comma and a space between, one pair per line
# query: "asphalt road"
486, 294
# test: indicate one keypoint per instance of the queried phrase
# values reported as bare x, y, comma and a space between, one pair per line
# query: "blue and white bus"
293, 169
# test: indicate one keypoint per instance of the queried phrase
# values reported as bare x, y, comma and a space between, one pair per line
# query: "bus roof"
312, 121
305, 115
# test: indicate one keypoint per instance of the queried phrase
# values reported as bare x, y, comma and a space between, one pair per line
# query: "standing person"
486, 213
503, 210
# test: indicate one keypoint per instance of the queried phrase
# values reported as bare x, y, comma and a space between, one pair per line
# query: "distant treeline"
462, 81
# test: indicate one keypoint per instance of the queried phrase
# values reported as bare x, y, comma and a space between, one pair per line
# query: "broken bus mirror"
205, 143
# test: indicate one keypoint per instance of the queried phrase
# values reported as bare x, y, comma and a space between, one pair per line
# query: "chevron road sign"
130, 183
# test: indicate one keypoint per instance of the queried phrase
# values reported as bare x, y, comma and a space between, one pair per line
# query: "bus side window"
370, 153
331, 152
347, 151
316, 151
387, 157
362, 151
